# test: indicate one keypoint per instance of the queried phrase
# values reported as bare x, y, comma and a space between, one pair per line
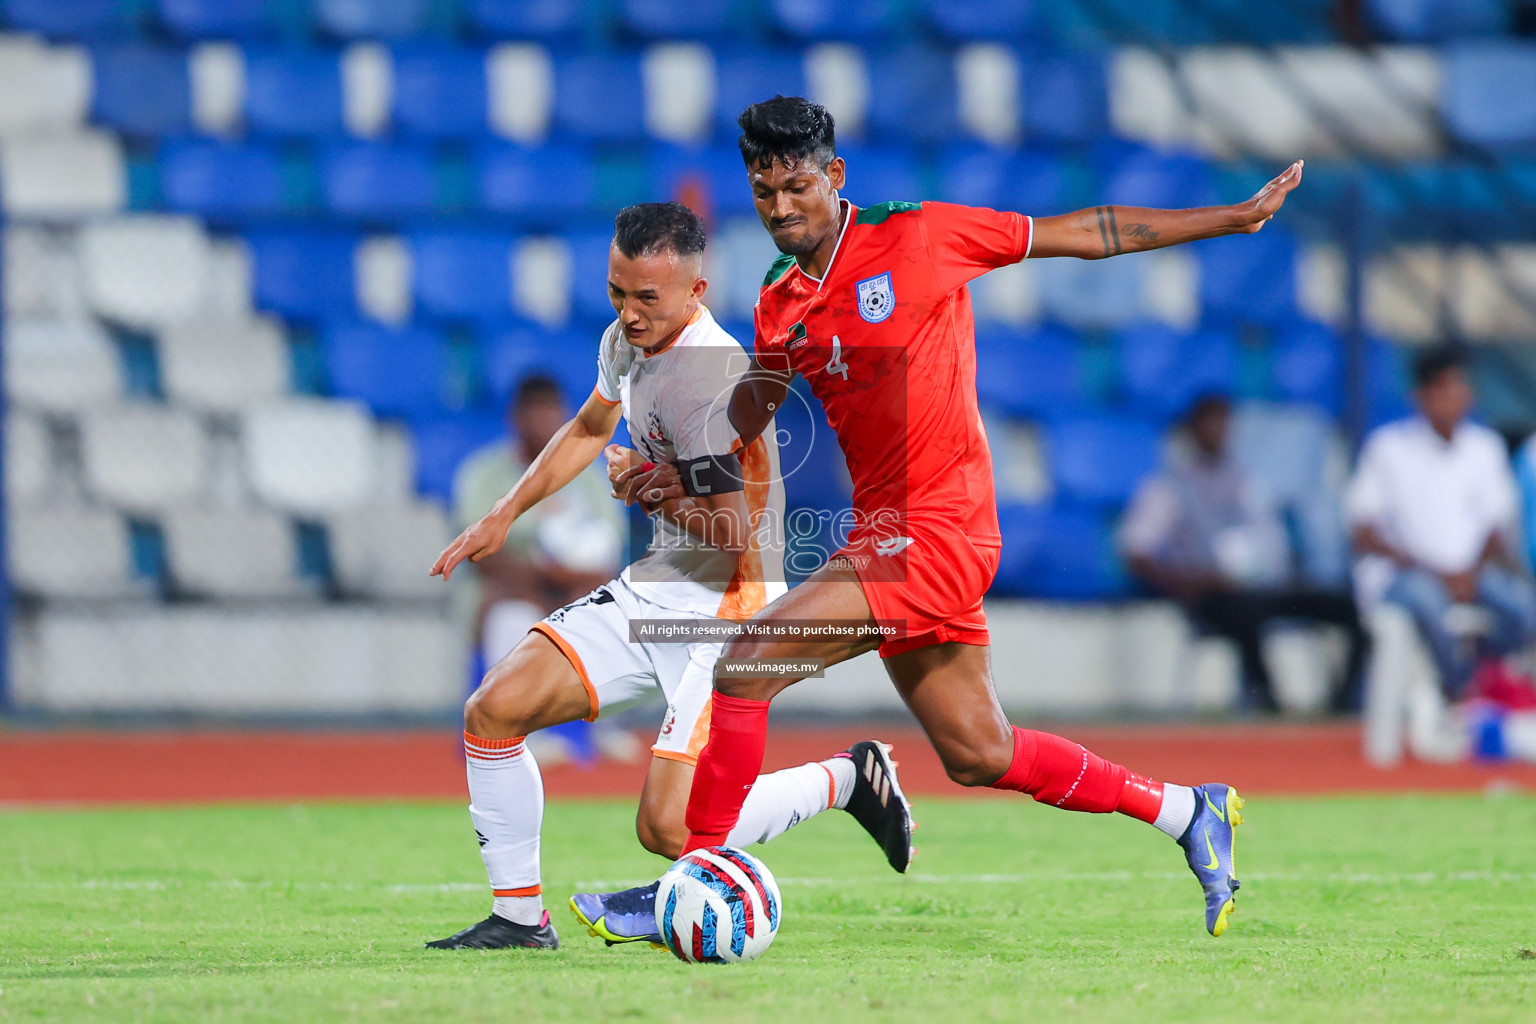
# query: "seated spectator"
1432, 507
554, 554
1201, 532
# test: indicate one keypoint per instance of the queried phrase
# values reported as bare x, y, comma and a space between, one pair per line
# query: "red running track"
219, 766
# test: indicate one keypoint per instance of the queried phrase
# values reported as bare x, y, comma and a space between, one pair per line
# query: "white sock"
844, 774
780, 801
1177, 810
506, 803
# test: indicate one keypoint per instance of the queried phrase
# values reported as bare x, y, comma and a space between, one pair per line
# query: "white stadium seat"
1494, 293
311, 457
28, 459
60, 365
231, 552
147, 271
44, 90
143, 457
385, 551
227, 282
988, 79
367, 88
382, 270
217, 74
40, 275
397, 465
62, 176
679, 83
1383, 100
541, 279
837, 78
70, 551
520, 87
224, 365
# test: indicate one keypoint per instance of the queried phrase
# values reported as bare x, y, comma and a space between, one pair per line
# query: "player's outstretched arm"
1111, 230
573, 448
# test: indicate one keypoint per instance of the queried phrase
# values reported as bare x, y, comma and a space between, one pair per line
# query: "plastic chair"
1307, 365
221, 180
1065, 98
1032, 375
514, 352
745, 77
372, 19
861, 20
463, 274
1249, 278
1490, 93
663, 19
376, 181
1163, 370
1057, 552
982, 19
142, 90
1147, 177
224, 366
1098, 460
60, 365
600, 96
145, 271
881, 175
544, 184
76, 20
309, 456
712, 179
443, 442
396, 371
383, 551
143, 456
532, 19
219, 19
440, 92
294, 92
914, 95
202, 562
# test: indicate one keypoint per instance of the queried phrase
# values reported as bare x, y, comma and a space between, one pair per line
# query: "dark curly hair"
787, 129
647, 228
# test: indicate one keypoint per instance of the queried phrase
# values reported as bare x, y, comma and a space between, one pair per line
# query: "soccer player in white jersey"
668, 367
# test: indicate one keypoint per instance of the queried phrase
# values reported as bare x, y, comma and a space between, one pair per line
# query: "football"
718, 905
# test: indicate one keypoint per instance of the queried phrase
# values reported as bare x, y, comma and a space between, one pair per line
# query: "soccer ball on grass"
718, 905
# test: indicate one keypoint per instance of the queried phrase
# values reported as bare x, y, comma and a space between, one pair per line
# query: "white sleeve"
1366, 497
614, 356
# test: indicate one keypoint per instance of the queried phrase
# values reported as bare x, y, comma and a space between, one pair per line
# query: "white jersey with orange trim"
676, 401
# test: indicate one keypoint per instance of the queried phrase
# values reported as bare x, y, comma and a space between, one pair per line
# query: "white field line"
611, 884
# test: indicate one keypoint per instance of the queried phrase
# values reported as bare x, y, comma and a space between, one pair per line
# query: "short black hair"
648, 228
788, 129
1437, 360
1206, 403
532, 387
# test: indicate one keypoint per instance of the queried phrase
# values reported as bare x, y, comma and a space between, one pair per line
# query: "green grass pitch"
1353, 909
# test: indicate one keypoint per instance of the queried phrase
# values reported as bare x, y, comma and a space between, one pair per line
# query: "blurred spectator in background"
1433, 509
1202, 532
566, 545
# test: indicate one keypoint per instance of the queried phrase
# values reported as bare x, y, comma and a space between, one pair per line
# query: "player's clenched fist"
649, 483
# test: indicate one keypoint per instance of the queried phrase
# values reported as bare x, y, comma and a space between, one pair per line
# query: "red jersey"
886, 341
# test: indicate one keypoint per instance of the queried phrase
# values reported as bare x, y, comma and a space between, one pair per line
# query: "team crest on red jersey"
876, 297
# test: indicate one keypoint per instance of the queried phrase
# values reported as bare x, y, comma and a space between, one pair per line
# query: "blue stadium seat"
221, 179
1098, 460
1066, 99
1163, 370
863, 20
225, 19
547, 184
512, 352
1033, 375
599, 96
371, 180
745, 77
1387, 386
1058, 552
533, 19
882, 174
712, 179
913, 95
1146, 177
1249, 278
1424, 20
142, 90
373, 19
443, 442
463, 275
667, 19
1092, 295
304, 274
1490, 93
1028, 180
397, 371
589, 274
982, 19
1307, 363
440, 92
293, 92
810, 461
76, 19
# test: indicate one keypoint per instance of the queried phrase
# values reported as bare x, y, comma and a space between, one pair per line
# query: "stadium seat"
1065, 98
310, 456
76, 19
546, 185
663, 19
811, 463
304, 273
1439, 20
440, 92
1019, 472
1099, 460
219, 19
60, 365
1092, 295
512, 353
373, 19
1386, 383
69, 551
463, 274
67, 176
145, 271
1057, 552
713, 180
29, 461
748, 76
381, 551
44, 90
1028, 180
882, 175
1163, 370
914, 95
679, 81
982, 19
589, 274
142, 90
443, 442
396, 463
397, 371
532, 19
224, 366
1249, 278
1490, 93
600, 96
1032, 375
861, 20
1307, 365
377, 181
221, 180
1169, 180
202, 561
293, 92
39, 274
143, 457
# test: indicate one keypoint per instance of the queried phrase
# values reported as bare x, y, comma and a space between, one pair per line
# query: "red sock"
728, 765
1064, 774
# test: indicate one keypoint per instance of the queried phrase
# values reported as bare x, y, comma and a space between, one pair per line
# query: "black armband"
711, 474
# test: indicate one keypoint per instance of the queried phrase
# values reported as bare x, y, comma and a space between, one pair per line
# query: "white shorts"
593, 633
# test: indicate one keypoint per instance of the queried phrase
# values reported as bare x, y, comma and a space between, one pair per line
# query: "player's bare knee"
660, 836
494, 712
970, 767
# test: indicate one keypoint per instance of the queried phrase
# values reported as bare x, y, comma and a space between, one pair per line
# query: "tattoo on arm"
1109, 232
1140, 232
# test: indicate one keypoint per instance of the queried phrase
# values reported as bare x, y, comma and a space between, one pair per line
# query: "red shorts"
924, 584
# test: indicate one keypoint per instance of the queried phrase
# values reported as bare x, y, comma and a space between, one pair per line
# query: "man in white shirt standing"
1432, 507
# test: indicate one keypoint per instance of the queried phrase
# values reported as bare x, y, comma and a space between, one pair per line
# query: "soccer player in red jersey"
871, 307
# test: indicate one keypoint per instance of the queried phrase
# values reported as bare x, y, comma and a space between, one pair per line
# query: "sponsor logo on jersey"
877, 299
666, 727
891, 545
796, 336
